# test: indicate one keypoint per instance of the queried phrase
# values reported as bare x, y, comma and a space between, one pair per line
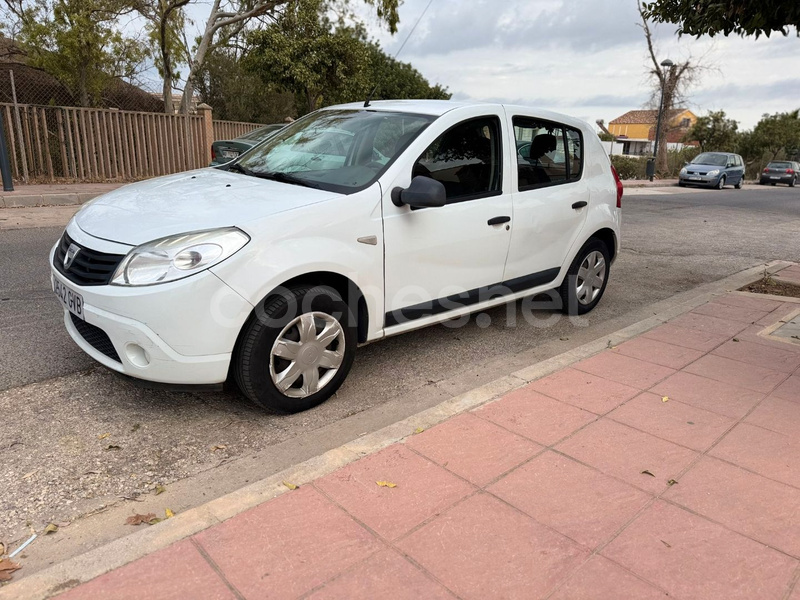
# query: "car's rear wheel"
721, 182
740, 184
793, 181
296, 352
586, 279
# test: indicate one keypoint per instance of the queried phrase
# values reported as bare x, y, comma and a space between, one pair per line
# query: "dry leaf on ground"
113, 447
218, 447
291, 486
6, 568
419, 430
646, 472
388, 484
160, 489
103, 436
169, 513
51, 528
139, 519
665, 398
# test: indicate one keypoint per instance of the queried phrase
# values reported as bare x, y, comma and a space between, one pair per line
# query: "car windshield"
337, 150
780, 165
260, 133
710, 158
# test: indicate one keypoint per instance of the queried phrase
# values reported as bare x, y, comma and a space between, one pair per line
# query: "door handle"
580, 204
498, 220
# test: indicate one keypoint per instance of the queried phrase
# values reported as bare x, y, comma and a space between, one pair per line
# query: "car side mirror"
423, 192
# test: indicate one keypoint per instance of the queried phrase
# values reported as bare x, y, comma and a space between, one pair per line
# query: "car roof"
437, 108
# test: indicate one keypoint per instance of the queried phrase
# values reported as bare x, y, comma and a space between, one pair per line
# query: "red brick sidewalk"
667, 465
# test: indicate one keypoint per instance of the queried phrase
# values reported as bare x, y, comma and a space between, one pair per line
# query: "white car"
350, 225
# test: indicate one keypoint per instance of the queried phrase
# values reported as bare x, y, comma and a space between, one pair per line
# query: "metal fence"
56, 143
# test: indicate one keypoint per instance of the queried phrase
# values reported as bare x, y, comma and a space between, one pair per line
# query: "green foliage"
715, 133
775, 137
712, 17
77, 42
301, 54
304, 54
629, 167
606, 137
239, 95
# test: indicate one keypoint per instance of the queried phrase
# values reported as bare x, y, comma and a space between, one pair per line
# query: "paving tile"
708, 324
601, 579
768, 453
624, 369
691, 557
660, 353
287, 546
423, 490
483, 548
752, 302
176, 572
777, 414
769, 357
675, 421
573, 499
584, 390
752, 377
624, 452
750, 504
796, 592
473, 448
730, 313
751, 335
384, 575
716, 396
779, 314
688, 338
535, 416
789, 389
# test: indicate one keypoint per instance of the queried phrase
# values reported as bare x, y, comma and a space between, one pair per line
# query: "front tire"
793, 182
586, 279
296, 352
721, 182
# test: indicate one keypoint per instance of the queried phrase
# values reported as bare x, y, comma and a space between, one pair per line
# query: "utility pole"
651, 168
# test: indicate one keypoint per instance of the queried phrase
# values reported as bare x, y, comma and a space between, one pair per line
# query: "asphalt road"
57, 405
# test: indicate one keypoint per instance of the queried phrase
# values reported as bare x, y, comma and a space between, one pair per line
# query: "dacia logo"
69, 258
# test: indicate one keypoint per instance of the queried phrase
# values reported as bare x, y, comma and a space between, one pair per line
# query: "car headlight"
178, 256
683, 171
712, 173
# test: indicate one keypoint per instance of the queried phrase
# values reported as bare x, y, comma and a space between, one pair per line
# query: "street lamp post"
667, 64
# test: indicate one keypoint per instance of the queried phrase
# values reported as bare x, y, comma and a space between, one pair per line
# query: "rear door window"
547, 153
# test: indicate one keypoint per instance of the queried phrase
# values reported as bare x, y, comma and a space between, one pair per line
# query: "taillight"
766, 170
790, 171
619, 186
213, 154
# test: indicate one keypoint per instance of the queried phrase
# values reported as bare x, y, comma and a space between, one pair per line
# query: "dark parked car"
714, 169
783, 171
224, 151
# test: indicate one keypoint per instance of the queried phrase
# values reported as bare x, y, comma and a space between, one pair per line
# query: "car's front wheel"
296, 352
721, 182
586, 279
793, 181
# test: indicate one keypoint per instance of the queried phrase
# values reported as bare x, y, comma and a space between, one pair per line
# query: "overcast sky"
586, 58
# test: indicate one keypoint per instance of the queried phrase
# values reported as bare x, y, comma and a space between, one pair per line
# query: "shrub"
630, 167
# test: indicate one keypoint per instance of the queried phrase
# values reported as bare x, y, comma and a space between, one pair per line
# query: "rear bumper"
777, 178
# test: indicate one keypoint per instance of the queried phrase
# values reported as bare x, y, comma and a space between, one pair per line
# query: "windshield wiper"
239, 169
284, 178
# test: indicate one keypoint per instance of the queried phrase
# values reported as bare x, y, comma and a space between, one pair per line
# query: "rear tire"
793, 182
721, 183
586, 279
740, 184
296, 349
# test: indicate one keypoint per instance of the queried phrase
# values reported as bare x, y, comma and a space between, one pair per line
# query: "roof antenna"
403, 45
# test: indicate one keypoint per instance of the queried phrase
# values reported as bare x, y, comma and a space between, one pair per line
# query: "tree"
711, 17
77, 42
166, 21
714, 132
778, 134
231, 17
302, 54
395, 79
671, 84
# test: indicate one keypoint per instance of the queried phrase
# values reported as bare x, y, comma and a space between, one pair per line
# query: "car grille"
89, 267
95, 337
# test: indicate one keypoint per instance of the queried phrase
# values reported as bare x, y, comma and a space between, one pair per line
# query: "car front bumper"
181, 332
699, 180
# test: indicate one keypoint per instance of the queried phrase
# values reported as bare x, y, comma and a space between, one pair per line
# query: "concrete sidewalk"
54, 194
667, 465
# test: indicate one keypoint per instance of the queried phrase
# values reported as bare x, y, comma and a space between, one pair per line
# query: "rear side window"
547, 153
466, 159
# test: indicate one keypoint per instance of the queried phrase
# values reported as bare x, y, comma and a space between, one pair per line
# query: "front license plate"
229, 154
696, 178
71, 300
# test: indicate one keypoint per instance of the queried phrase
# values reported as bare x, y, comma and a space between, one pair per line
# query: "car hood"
190, 201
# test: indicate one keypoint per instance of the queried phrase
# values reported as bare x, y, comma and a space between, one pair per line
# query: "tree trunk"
196, 62
83, 92
166, 65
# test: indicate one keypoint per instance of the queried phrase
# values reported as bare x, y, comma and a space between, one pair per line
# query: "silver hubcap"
591, 275
307, 354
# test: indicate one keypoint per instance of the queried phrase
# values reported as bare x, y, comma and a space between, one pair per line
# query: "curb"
103, 559
33, 200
